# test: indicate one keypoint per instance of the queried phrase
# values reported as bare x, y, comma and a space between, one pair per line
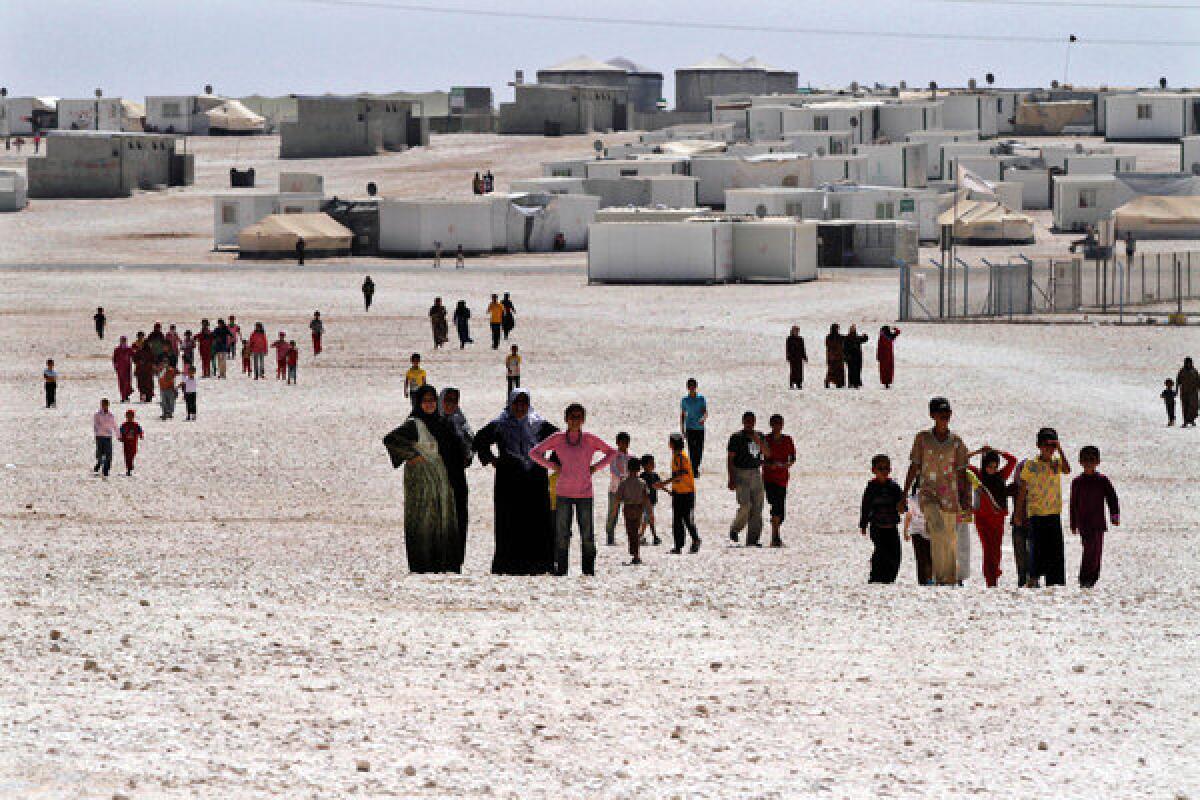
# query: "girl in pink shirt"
575, 451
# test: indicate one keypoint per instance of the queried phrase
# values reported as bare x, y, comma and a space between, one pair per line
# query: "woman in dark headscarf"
462, 321
524, 522
835, 358
423, 444
852, 351
796, 358
437, 318
457, 462
886, 355
1187, 383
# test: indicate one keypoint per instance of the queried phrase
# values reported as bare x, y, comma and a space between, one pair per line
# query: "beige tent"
981, 221
1152, 217
133, 116
233, 117
1051, 117
276, 236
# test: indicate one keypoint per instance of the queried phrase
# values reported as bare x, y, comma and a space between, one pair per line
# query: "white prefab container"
897, 120
917, 206
235, 210
1099, 164
1081, 201
549, 185
774, 251
1009, 193
832, 169
933, 141
414, 227
820, 143
971, 111
306, 182
635, 168
90, 114
1189, 155
1035, 186
533, 222
626, 214
777, 202
990, 168
672, 191
858, 118
1150, 116
898, 164
299, 202
735, 118
576, 168
17, 113
660, 252
949, 152
12, 191
1056, 155
765, 122
717, 173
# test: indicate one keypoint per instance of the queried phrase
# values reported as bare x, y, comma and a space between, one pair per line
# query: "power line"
1119, 6
732, 26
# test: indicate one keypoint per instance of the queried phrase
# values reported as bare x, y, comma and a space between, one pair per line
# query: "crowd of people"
544, 475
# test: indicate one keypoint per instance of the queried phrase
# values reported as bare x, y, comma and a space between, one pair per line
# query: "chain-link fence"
955, 289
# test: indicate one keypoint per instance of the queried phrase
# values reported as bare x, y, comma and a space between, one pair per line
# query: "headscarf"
448, 443
458, 423
518, 436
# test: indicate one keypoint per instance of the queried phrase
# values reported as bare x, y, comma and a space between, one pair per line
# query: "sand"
237, 620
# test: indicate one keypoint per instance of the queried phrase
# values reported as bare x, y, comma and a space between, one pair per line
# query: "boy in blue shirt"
693, 413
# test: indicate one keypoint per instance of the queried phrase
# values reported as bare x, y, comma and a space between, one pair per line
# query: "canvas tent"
276, 236
233, 117
1150, 217
987, 222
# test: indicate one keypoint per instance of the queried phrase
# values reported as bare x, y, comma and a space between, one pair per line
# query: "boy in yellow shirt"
1039, 505
495, 312
414, 378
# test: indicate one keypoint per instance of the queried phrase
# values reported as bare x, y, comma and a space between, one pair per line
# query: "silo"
779, 81
645, 85
694, 85
584, 71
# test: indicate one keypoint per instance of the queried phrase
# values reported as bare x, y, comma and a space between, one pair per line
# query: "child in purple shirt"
1090, 492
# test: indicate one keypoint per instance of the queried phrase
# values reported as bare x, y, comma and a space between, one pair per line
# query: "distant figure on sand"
693, 414
852, 351
459, 260
796, 358
318, 330
50, 382
437, 320
1187, 383
509, 319
104, 427
462, 324
1168, 397
512, 369
368, 290
835, 358
885, 354
100, 321
122, 359
746, 451
421, 446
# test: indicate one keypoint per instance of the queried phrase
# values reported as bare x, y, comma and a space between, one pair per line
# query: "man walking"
745, 458
104, 426
368, 290
693, 413
939, 458
318, 329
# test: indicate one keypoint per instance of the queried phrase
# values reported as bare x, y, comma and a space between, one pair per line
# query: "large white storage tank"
774, 251
660, 252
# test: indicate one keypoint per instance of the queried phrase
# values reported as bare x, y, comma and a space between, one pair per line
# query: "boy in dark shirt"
634, 498
882, 504
1168, 397
1089, 494
653, 482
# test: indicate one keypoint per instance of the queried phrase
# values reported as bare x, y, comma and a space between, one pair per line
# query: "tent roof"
131, 109
233, 116
620, 62
719, 61
279, 232
583, 63
1184, 210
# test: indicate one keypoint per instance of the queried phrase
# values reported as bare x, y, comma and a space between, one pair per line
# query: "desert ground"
237, 619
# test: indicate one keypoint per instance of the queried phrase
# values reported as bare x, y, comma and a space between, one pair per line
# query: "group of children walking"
945, 493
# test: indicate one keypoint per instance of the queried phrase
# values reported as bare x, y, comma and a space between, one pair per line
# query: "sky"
133, 48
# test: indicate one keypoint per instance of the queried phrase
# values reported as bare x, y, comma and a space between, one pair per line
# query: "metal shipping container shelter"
660, 252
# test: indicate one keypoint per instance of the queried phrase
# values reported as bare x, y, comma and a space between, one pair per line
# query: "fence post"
903, 292
942, 288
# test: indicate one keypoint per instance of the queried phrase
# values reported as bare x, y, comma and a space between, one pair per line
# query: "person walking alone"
745, 457
495, 319
885, 354
462, 323
509, 319
693, 414
796, 358
100, 321
318, 330
368, 292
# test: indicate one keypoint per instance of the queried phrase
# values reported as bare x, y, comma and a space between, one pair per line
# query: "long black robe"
854, 357
524, 522
796, 358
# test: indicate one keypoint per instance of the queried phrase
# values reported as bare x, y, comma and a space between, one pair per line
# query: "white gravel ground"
237, 620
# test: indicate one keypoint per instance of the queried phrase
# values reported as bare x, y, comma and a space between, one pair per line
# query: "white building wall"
1161, 116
